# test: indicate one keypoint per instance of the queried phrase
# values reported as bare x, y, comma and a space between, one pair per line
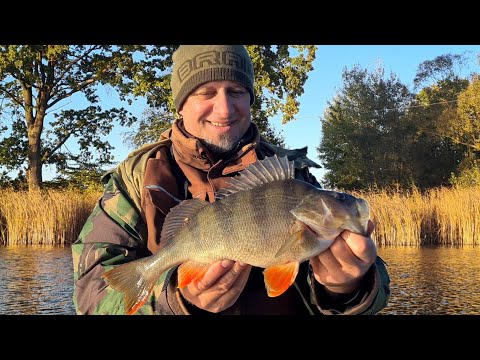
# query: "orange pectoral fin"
190, 271
279, 278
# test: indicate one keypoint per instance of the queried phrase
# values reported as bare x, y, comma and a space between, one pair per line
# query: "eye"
205, 92
341, 196
237, 93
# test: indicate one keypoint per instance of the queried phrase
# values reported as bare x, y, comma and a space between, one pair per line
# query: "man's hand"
342, 266
219, 288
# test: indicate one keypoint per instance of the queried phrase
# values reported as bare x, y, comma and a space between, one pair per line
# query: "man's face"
218, 113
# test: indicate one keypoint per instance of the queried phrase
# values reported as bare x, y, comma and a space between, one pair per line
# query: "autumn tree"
363, 134
434, 154
37, 81
466, 131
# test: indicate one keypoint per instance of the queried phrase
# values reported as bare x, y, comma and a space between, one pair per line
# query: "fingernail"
241, 263
227, 264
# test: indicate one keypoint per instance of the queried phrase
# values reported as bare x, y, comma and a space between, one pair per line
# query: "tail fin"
130, 279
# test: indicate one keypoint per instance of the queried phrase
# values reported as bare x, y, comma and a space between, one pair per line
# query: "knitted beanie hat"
194, 65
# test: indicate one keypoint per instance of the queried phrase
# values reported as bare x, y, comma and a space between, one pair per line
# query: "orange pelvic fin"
190, 271
279, 278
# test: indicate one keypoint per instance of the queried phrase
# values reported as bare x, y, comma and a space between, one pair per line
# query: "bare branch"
73, 91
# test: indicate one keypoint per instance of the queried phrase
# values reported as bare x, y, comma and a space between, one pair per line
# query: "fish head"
328, 213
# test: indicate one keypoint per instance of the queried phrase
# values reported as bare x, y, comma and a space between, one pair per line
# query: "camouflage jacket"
124, 224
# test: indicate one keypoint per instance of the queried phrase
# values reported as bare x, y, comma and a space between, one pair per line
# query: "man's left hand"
343, 265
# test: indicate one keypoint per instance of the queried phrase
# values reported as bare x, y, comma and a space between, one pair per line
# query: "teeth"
218, 124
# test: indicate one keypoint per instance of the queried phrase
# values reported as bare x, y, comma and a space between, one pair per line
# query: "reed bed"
50, 217
441, 216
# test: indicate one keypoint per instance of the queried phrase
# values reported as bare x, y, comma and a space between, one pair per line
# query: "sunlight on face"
217, 113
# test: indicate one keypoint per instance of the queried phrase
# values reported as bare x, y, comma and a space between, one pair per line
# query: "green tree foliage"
280, 74
469, 176
364, 133
429, 139
441, 68
152, 123
35, 81
38, 80
434, 154
466, 130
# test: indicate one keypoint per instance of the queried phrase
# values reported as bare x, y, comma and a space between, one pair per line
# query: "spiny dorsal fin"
179, 215
261, 172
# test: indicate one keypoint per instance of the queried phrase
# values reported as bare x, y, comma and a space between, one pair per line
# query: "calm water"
38, 280
433, 280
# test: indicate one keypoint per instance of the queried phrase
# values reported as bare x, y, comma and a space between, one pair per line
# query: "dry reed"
443, 216
51, 217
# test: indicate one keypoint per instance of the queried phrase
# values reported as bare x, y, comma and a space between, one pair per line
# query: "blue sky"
321, 86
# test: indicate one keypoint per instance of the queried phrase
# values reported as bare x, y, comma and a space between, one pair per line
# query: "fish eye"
340, 196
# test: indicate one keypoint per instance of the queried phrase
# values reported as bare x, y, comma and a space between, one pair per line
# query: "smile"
220, 124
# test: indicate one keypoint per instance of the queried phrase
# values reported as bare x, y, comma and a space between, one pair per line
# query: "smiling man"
212, 140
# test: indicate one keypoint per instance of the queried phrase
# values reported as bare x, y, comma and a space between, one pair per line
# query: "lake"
426, 281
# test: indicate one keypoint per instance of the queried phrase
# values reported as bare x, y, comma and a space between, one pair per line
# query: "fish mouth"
322, 232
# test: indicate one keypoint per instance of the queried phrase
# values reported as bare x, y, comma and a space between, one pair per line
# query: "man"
214, 138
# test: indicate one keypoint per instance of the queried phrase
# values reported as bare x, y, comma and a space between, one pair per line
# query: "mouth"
220, 124
322, 233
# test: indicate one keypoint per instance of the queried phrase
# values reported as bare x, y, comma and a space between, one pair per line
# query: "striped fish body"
265, 218
248, 226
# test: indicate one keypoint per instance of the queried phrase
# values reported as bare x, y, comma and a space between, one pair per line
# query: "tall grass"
442, 216
50, 217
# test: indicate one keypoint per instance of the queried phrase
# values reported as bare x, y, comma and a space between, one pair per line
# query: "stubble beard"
219, 146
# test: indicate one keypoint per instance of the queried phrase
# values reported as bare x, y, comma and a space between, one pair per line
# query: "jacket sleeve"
370, 299
112, 236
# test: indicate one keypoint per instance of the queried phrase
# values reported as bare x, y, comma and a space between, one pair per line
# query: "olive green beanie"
194, 65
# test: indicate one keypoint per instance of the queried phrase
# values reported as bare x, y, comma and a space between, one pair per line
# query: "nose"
223, 104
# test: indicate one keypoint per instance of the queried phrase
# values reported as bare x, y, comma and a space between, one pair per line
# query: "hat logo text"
213, 57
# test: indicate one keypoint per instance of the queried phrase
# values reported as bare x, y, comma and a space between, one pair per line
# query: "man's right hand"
219, 288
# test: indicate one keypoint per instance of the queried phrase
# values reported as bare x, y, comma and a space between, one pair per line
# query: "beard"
226, 143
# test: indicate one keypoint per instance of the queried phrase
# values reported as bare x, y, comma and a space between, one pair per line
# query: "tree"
466, 130
441, 68
36, 80
152, 123
434, 154
280, 74
363, 134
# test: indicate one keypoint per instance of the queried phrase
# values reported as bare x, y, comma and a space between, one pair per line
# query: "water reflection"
435, 280
39, 280
36, 280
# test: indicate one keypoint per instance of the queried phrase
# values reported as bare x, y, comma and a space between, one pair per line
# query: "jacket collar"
190, 151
